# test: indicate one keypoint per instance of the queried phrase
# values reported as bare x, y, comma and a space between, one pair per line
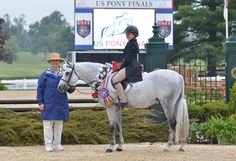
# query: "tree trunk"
45, 55
211, 65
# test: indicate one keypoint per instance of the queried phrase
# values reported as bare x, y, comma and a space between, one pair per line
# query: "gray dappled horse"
162, 86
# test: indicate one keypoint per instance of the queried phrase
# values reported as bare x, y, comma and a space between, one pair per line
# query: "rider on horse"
130, 69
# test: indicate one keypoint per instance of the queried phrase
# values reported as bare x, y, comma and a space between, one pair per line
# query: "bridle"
69, 79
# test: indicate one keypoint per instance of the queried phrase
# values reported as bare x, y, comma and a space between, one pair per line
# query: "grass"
27, 65
84, 127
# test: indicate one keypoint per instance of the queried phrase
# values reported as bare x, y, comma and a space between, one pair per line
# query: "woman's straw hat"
55, 56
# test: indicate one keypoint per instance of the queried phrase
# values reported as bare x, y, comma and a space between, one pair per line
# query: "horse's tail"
182, 119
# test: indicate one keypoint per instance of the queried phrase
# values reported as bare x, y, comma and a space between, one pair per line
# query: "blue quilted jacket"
55, 103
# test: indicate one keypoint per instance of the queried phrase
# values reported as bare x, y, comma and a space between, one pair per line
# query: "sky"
35, 10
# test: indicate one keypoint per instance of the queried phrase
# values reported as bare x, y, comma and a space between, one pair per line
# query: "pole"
226, 18
227, 26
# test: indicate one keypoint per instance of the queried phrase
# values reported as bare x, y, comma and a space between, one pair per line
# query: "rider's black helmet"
132, 29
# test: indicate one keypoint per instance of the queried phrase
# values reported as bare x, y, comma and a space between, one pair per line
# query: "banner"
165, 23
84, 30
110, 34
100, 24
123, 4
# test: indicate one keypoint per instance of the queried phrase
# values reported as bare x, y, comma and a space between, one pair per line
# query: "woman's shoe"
58, 147
49, 149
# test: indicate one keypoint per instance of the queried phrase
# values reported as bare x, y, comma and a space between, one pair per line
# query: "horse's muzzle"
62, 89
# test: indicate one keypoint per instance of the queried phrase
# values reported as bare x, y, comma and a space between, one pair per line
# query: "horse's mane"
89, 66
89, 63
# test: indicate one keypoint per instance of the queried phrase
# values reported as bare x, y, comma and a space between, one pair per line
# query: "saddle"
125, 84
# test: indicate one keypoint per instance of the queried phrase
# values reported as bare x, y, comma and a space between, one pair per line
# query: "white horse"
162, 86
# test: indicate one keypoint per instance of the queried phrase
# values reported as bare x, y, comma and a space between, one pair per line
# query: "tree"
3, 38
51, 34
7, 26
11, 49
17, 28
19, 31
200, 29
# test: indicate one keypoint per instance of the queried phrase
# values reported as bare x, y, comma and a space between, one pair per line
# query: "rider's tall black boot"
121, 104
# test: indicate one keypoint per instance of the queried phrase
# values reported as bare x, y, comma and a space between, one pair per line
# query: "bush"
202, 113
84, 127
2, 87
216, 130
232, 103
216, 109
233, 116
195, 112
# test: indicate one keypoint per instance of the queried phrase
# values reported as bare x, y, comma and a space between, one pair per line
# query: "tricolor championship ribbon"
107, 100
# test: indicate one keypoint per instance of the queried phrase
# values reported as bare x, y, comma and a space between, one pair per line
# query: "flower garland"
101, 75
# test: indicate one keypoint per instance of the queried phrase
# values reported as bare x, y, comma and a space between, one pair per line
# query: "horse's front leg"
112, 117
112, 134
119, 126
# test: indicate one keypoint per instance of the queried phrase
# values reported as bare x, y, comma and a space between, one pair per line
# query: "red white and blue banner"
124, 4
164, 19
84, 29
100, 24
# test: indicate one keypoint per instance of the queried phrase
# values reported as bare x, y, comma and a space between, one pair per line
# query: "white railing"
20, 84
24, 84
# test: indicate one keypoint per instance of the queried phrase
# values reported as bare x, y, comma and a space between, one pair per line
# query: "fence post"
230, 54
156, 58
24, 84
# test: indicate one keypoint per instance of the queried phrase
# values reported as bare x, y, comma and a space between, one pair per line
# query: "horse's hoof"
166, 150
181, 149
109, 151
119, 149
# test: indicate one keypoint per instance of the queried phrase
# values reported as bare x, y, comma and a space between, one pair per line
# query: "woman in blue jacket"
52, 104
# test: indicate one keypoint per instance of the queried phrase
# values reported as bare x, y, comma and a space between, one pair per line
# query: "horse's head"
73, 72
69, 77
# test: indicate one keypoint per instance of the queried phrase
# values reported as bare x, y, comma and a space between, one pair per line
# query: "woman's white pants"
52, 132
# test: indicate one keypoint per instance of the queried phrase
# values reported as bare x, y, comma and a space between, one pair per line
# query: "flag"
226, 9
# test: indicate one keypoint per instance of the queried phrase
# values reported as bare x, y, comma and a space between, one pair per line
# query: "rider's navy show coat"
133, 67
55, 103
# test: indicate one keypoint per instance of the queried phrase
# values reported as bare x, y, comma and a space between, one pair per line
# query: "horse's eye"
67, 73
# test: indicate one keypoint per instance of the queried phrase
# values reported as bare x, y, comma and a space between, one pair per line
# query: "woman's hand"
41, 107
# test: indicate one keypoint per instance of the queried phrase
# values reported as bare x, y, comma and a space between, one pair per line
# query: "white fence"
19, 84
23, 84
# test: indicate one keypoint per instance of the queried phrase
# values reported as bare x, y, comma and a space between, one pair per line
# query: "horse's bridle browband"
73, 70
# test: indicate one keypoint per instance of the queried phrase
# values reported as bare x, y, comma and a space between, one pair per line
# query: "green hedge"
213, 122
215, 130
216, 109
84, 127
2, 87
232, 103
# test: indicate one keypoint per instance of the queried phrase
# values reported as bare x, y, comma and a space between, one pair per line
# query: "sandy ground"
31, 94
132, 152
